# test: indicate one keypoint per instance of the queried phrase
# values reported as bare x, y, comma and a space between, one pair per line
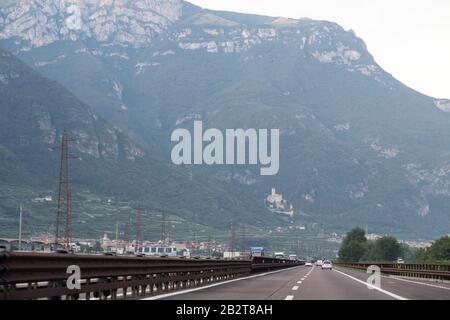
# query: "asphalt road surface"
313, 283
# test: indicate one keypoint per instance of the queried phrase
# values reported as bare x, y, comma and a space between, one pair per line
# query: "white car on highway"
327, 265
319, 263
308, 264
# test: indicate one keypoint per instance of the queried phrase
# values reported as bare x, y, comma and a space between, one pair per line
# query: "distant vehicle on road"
279, 255
400, 260
308, 264
319, 263
293, 257
326, 265
74, 247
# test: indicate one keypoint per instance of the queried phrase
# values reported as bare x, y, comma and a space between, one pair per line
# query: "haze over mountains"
34, 112
357, 146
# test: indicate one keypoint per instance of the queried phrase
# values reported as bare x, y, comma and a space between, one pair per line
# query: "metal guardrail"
433, 271
44, 276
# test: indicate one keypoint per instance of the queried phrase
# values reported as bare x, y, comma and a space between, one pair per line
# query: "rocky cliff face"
37, 23
34, 112
326, 42
124, 22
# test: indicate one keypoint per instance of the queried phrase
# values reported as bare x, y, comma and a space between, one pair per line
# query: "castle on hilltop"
277, 204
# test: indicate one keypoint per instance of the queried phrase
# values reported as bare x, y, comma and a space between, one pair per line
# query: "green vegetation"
383, 249
439, 251
356, 248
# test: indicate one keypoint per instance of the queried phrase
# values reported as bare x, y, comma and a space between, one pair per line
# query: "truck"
279, 255
257, 251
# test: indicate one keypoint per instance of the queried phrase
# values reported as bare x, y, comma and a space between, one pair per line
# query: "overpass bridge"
45, 276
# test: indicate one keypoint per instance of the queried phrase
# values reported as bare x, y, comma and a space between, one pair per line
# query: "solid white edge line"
393, 295
289, 298
416, 282
166, 295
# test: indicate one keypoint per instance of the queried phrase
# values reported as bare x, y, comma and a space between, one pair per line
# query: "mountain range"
357, 146
105, 163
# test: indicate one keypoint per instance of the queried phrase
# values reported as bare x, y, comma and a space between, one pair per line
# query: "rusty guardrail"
44, 275
433, 271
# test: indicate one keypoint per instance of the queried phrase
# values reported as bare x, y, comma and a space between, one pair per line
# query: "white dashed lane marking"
295, 288
167, 295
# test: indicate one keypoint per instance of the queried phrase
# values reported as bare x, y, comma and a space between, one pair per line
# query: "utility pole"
232, 240
138, 229
68, 228
194, 237
209, 245
298, 251
64, 201
163, 228
125, 236
20, 226
117, 237
243, 237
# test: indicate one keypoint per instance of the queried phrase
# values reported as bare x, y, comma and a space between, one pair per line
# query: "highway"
313, 283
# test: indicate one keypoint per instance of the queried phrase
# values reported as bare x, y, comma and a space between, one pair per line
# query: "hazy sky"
408, 38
